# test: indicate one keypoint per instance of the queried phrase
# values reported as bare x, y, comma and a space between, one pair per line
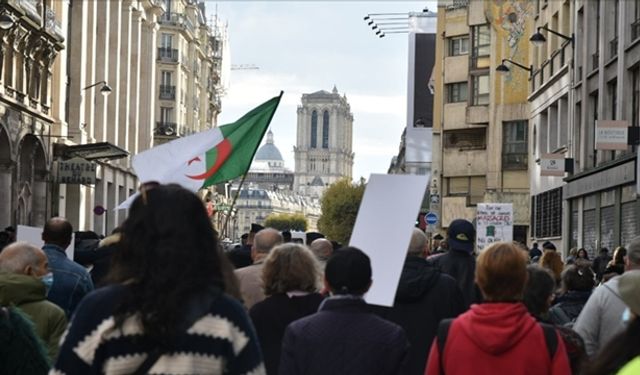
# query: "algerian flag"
209, 157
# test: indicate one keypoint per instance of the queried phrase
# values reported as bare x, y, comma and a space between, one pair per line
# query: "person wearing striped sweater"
166, 311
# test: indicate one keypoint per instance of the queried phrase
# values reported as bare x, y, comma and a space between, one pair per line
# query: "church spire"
335, 89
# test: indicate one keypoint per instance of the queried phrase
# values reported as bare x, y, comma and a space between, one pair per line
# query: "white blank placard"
33, 235
386, 218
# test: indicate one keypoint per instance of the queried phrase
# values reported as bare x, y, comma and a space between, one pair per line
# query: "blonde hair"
288, 267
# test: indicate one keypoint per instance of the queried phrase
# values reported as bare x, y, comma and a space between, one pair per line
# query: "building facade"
323, 151
77, 84
267, 189
32, 78
601, 208
481, 117
189, 64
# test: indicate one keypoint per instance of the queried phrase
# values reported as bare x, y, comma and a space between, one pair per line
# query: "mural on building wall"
512, 21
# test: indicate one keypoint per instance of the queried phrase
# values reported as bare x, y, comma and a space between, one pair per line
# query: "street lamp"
538, 39
503, 69
105, 90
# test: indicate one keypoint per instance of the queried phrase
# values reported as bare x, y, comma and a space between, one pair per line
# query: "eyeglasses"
145, 187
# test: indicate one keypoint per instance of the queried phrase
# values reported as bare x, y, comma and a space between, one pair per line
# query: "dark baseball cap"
549, 246
461, 235
348, 271
255, 228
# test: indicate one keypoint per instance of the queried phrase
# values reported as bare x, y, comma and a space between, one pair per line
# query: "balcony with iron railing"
167, 92
176, 19
32, 9
595, 60
168, 54
52, 25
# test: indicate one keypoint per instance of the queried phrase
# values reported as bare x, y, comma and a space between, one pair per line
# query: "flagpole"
233, 203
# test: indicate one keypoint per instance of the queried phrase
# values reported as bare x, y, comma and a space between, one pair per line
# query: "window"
314, 129
167, 78
547, 213
472, 187
635, 97
466, 139
613, 43
481, 46
514, 148
635, 26
166, 41
325, 129
166, 114
480, 90
457, 92
458, 46
613, 95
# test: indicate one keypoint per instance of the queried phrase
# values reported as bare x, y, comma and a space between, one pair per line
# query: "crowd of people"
162, 296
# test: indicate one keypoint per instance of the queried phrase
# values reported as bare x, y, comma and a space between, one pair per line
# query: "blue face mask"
626, 316
47, 280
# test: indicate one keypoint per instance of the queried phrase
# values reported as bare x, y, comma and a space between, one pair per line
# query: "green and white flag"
209, 157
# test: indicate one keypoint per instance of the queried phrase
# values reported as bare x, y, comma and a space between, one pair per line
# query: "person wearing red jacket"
498, 336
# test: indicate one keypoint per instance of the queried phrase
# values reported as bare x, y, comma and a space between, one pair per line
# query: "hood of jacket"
497, 327
417, 278
19, 289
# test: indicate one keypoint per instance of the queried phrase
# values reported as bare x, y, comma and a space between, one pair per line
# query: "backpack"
550, 337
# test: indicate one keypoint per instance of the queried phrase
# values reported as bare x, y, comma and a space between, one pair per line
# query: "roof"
317, 181
269, 151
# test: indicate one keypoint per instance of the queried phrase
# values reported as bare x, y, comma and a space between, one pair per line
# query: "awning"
95, 151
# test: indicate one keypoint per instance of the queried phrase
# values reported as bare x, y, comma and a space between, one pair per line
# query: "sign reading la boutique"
77, 171
611, 135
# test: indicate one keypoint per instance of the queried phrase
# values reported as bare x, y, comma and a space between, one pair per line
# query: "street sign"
612, 135
99, 210
552, 165
77, 171
431, 218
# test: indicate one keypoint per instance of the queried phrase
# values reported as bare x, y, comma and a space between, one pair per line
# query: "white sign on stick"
33, 235
494, 223
385, 241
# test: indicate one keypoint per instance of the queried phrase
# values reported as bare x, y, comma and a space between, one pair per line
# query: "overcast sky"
302, 47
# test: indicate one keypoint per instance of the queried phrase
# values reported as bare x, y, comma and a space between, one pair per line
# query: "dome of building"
269, 151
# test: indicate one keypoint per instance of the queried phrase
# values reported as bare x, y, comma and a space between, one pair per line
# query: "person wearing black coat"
459, 262
344, 336
424, 297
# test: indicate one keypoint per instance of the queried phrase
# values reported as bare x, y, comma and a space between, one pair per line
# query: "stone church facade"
323, 151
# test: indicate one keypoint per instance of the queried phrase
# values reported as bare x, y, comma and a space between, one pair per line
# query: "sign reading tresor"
77, 171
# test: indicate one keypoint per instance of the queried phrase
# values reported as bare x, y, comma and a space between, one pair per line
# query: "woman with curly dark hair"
166, 311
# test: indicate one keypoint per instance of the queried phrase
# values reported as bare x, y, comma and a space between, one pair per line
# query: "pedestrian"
424, 297
241, 257
71, 281
616, 265
552, 261
497, 337
290, 277
459, 262
21, 351
577, 284
534, 252
621, 355
24, 282
166, 311
538, 293
344, 337
600, 263
582, 254
599, 320
250, 277
573, 255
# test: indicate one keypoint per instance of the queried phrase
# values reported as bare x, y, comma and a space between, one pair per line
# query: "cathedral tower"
323, 151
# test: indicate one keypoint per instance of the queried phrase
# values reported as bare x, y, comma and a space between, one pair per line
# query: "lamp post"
105, 90
503, 69
538, 39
